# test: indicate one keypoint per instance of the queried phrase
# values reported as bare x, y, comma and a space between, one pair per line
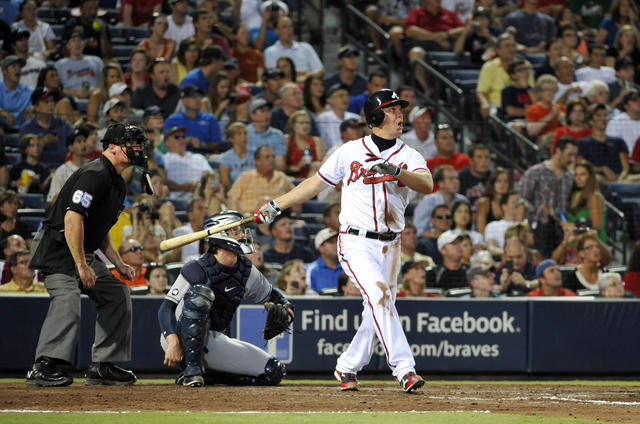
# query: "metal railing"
358, 25
617, 230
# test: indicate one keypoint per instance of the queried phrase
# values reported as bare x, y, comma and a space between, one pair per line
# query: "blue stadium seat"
11, 139
314, 206
463, 75
536, 58
54, 15
58, 30
13, 158
123, 51
33, 201
82, 105
173, 270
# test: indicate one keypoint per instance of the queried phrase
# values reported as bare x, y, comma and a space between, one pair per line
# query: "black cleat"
108, 374
45, 373
411, 381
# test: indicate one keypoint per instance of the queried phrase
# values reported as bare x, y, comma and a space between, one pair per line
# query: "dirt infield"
604, 403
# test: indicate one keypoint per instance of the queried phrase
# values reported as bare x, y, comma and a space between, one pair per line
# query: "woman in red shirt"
299, 164
157, 45
576, 127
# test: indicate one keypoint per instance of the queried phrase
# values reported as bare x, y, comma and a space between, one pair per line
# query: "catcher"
201, 304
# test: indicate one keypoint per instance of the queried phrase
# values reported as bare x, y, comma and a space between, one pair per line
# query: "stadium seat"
54, 15
314, 206
33, 201
123, 51
11, 139
13, 158
536, 58
58, 30
82, 105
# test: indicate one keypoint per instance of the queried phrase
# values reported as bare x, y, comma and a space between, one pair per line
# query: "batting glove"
266, 213
386, 168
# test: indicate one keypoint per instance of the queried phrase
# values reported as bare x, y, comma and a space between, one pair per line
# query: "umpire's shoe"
108, 374
46, 373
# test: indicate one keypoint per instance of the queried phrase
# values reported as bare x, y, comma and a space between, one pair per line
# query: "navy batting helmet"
376, 102
223, 239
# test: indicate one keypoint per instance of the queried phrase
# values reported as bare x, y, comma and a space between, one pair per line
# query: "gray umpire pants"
60, 330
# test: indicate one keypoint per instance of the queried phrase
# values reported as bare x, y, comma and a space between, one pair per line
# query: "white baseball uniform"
373, 204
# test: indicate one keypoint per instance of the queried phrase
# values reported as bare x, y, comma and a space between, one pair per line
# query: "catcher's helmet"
376, 102
223, 239
126, 135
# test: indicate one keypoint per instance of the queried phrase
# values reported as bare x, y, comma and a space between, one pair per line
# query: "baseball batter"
201, 303
376, 173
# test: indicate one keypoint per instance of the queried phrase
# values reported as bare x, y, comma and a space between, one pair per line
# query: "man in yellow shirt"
23, 278
494, 76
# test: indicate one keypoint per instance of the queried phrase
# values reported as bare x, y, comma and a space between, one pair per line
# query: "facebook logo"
249, 325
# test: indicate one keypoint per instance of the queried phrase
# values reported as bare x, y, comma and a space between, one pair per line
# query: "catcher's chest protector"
228, 284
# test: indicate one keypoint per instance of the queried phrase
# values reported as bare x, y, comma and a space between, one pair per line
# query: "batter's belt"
388, 236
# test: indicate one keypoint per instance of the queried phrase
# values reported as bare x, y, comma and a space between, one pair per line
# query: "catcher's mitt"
279, 317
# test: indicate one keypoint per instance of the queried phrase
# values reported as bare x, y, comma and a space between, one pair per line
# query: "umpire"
77, 224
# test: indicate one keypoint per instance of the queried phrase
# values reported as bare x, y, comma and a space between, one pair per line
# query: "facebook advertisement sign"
444, 335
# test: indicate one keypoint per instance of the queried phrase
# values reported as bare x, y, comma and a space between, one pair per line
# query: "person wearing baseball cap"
481, 281
329, 122
33, 65
14, 96
203, 130
52, 129
79, 73
323, 273
452, 273
550, 280
347, 72
271, 84
421, 137
414, 282
260, 132
153, 123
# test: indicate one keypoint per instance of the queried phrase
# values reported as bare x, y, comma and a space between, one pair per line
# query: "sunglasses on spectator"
135, 249
443, 216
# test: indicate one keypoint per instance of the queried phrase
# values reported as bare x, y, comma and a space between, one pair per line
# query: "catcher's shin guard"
194, 327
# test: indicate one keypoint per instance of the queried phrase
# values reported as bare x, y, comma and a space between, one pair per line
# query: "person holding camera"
211, 190
202, 129
478, 37
517, 275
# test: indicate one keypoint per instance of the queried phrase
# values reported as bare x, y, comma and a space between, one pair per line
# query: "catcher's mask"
238, 239
128, 136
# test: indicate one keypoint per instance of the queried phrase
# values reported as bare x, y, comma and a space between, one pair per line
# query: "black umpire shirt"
97, 192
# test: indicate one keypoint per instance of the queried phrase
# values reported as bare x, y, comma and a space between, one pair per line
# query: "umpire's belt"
389, 236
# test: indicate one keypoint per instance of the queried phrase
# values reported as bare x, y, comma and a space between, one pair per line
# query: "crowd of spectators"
238, 110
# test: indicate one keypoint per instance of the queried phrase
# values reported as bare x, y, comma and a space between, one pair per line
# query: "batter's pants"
373, 266
60, 330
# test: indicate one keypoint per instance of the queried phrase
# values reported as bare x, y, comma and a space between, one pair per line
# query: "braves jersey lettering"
84, 72
377, 201
359, 171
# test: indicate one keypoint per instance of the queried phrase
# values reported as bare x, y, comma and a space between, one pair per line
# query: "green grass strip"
332, 382
279, 418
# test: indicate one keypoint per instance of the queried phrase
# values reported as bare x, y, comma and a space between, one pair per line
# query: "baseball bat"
180, 241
